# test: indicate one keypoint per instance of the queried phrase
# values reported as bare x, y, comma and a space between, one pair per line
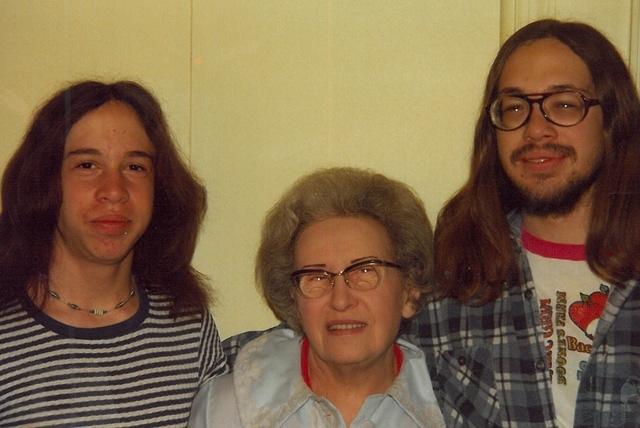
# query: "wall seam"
634, 41
190, 85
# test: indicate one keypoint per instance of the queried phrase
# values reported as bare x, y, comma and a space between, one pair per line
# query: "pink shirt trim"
552, 250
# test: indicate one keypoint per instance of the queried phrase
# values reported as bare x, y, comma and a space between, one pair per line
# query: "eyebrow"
552, 88
322, 265
363, 258
314, 265
96, 152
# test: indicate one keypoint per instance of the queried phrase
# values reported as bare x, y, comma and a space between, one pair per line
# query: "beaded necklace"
97, 312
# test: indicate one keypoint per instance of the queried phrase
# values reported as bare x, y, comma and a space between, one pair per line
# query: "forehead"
342, 240
545, 65
113, 124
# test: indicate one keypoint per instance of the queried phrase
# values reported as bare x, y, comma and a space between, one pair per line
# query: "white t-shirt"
571, 299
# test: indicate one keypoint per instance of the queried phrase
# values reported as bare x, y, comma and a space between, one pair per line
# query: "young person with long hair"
103, 320
538, 255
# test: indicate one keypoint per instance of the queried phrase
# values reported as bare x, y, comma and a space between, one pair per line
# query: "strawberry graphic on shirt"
584, 312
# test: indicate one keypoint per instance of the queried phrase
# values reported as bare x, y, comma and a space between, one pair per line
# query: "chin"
112, 257
558, 202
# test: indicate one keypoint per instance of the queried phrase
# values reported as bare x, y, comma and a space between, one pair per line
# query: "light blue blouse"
266, 389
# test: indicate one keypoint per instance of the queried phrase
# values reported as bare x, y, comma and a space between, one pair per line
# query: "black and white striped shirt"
143, 372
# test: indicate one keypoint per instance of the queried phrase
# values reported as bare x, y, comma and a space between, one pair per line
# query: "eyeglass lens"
318, 283
562, 108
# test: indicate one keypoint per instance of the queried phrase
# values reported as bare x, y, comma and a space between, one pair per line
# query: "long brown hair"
473, 249
31, 198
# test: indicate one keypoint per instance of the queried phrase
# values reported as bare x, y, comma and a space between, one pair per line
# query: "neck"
98, 285
570, 228
89, 286
347, 386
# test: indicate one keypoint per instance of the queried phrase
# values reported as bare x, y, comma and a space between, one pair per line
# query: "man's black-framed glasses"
565, 108
362, 276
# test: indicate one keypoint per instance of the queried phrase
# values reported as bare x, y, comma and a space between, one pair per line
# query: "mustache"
551, 147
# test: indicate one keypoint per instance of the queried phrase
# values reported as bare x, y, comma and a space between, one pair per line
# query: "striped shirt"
143, 372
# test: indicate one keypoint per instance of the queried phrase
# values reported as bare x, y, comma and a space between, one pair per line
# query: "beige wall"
260, 92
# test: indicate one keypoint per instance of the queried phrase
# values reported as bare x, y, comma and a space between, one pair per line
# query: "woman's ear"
410, 305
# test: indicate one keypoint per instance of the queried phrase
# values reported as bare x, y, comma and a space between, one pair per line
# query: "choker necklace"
97, 312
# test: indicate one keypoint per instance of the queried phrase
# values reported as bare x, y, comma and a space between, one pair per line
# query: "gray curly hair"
342, 192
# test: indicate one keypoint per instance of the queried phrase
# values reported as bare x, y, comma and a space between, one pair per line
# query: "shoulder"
409, 350
621, 315
413, 388
267, 379
282, 341
196, 330
11, 311
514, 218
215, 404
17, 330
442, 318
233, 344
445, 322
267, 367
160, 311
413, 366
198, 324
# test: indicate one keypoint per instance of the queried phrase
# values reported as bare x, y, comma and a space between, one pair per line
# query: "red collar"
304, 360
552, 250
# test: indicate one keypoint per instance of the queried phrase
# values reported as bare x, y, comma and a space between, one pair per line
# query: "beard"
559, 202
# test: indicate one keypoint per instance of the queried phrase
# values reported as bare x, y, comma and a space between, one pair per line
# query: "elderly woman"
345, 257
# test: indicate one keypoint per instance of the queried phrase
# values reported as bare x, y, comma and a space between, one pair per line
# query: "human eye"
512, 105
565, 101
139, 168
364, 266
80, 167
312, 278
316, 277
85, 165
364, 275
367, 269
314, 284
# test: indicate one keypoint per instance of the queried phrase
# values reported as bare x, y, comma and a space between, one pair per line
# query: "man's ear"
410, 305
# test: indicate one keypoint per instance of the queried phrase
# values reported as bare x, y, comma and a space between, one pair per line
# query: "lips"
539, 154
111, 224
541, 161
345, 326
541, 158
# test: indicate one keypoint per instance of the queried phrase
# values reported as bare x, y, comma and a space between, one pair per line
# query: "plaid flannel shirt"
488, 362
488, 367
